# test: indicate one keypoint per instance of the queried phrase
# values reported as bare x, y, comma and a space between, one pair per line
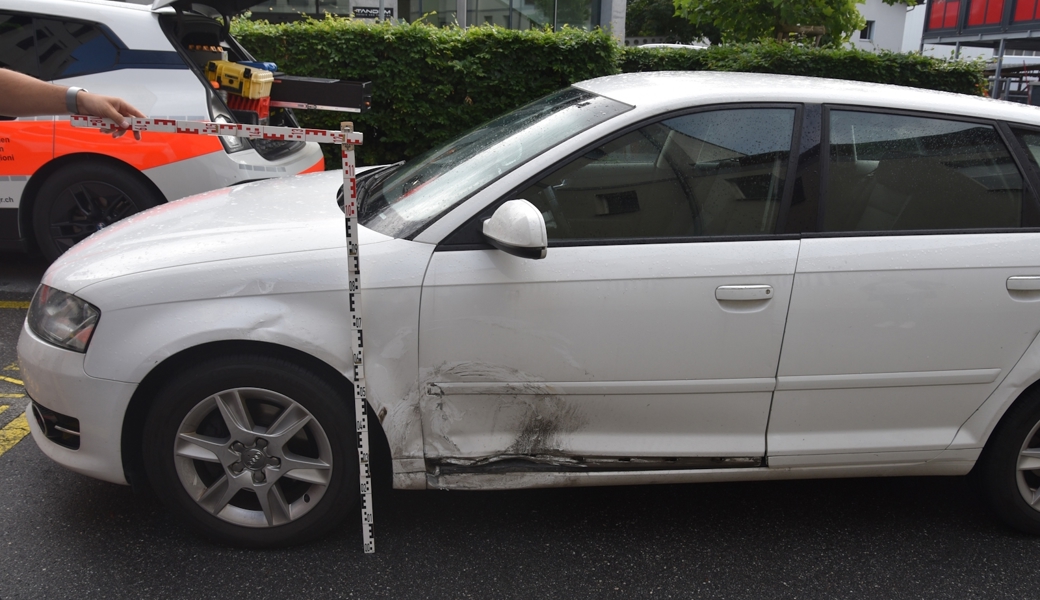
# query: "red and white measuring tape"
348, 139
255, 132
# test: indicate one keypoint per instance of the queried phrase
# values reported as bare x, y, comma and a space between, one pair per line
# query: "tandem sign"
372, 12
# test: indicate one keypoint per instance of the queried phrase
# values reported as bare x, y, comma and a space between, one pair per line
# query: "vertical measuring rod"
357, 347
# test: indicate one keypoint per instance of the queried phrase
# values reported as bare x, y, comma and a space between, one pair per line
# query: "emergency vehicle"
58, 185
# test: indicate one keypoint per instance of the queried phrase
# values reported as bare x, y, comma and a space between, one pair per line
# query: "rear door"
918, 296
649, 335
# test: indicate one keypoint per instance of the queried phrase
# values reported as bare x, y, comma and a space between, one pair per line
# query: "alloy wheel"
85, 208
253, 457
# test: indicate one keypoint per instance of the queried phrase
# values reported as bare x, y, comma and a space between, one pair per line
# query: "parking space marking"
13, 432
12, 396
13, 304
12, 367
12, 380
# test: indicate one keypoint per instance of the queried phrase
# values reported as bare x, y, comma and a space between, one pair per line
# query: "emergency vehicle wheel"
83, 198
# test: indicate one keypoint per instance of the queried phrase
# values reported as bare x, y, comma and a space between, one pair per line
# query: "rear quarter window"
17, 51
69, 48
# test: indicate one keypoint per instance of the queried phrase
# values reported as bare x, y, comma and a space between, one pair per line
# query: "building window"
985, 12
942, 14
867, 33
1025, 10
534, 14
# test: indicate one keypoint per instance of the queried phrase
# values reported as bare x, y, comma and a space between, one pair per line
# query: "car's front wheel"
253, 451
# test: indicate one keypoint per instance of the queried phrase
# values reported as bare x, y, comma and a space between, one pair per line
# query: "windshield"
420, 190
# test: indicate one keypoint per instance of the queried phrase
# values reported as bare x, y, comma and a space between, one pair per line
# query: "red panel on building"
976, 12
935, 17
1025, 10
950, 19
994, 12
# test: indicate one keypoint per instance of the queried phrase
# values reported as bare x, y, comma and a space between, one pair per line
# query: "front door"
650, 333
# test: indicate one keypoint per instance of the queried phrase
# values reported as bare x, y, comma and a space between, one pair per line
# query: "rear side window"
68, 48
896, 172
17, 51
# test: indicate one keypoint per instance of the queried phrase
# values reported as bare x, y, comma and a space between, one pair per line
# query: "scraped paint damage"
535, 420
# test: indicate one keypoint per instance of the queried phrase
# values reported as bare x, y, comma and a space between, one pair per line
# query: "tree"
750, 20
657, 18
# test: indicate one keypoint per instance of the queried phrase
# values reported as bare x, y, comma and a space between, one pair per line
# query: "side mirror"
517, 228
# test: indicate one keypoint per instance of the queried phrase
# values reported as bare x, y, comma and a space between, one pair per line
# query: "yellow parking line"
12, 396
12, 367
13, 304
12, 380
3, 407
13, 432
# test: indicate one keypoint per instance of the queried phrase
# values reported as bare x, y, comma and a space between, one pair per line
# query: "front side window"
17, 49
899, 173
425, 187
717, 173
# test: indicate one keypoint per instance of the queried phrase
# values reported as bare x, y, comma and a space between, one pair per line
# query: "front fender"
302, 304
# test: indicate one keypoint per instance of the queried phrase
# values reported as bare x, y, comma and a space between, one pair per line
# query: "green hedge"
913, 70
430, 83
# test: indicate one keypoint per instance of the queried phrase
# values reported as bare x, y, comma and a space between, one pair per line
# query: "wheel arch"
28, 201
1020, 384
131, 437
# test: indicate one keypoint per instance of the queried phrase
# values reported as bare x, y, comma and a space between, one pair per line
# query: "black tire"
1002, 484
190, 418
84, 197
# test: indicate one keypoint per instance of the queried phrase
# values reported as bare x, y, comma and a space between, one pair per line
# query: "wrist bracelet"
70, 99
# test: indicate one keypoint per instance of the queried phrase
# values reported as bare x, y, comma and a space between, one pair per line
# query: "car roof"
44, 6
673, 90
135, 24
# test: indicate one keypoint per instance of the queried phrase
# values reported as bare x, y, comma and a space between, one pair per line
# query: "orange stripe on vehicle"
317, 167
25, 146
153, 149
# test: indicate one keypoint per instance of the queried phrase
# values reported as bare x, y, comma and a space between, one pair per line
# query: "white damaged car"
646, 278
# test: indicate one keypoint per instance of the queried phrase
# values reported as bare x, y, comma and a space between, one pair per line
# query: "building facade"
885, 25
511, 14
1001, 25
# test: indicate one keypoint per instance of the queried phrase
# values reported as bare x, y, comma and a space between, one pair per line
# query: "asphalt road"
63, 535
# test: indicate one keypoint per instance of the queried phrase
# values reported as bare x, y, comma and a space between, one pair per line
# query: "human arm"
24, 96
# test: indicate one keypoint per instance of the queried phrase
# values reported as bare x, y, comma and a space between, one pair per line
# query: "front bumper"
55, 378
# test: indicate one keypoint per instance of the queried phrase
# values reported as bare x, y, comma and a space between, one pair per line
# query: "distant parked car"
643, 278
694, 46
58, 184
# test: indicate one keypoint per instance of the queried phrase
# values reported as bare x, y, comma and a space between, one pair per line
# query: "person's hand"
108, 107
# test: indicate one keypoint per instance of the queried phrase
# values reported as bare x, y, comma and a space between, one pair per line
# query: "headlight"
62, 319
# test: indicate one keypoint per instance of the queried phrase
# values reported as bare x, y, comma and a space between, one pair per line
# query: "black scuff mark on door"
545, 424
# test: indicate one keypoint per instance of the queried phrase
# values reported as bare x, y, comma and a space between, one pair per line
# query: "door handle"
745, 293
1023, 283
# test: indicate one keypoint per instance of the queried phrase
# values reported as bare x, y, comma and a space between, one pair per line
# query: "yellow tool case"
240, 79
